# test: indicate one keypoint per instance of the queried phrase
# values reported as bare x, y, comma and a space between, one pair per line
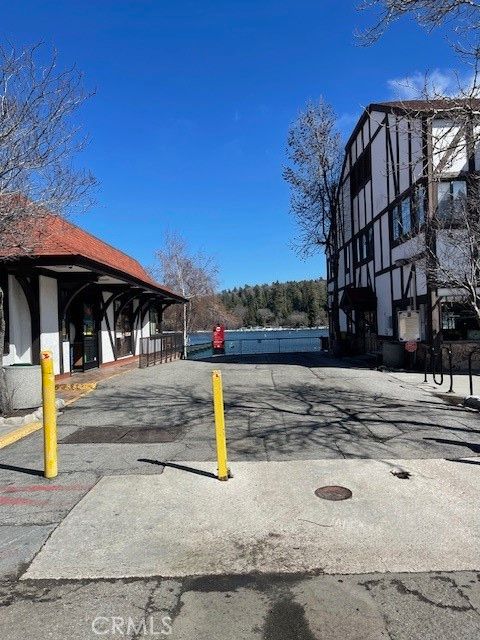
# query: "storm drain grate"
333, 493
120, 435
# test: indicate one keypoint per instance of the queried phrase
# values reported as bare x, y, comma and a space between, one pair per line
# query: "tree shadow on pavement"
318, 419
300, 359
180, 467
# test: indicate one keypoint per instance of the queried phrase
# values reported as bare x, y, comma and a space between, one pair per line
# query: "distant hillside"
285, 304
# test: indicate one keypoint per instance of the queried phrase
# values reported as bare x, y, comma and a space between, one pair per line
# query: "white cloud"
447, 83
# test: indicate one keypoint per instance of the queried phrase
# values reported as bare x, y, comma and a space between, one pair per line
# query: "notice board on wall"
409, 326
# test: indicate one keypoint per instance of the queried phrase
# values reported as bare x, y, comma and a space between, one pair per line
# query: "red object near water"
219, 337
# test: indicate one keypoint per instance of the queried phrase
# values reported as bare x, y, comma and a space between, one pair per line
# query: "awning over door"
358, 299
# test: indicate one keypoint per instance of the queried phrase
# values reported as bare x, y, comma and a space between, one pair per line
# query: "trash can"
23, 384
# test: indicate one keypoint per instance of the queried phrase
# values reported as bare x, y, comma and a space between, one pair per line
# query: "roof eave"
79, 260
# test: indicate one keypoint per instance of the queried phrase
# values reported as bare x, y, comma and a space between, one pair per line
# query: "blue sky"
193, 103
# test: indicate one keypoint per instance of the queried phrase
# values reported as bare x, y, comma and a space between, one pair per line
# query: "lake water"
270, 341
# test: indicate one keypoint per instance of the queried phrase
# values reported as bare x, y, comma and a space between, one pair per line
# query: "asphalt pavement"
138, 454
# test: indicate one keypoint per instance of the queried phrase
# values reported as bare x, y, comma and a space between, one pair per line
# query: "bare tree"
453, 261
38, 139
315, 153
452, 234
428, 13
194, 275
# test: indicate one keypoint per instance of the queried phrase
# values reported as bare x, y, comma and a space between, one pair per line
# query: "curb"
18, 434
77, 386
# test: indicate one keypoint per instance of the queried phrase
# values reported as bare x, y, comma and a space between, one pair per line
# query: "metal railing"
250, 346
196, 349
161, 348
472, 353
258, 346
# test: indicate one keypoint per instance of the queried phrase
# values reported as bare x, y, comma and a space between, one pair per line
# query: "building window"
347, 258
452, 197
349, 323
459, 322
420, 204
397, 222
403, 219
364, 245
370, 243
406, 216
155, 318
359, 247
361, 172
124, 329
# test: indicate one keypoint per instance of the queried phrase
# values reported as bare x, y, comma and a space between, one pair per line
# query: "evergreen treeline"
284, 304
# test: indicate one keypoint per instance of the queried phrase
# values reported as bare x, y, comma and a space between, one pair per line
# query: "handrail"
313, 340
240, 346
227, 339
162, 347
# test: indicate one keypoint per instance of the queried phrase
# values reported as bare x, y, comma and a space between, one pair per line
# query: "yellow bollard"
220, 425
49, 416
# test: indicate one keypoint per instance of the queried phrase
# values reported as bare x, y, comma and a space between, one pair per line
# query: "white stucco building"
405, 163
74, 294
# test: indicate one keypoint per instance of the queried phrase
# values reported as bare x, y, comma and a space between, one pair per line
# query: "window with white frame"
406, 215
420, 203
364, 245
409, 214
452, 198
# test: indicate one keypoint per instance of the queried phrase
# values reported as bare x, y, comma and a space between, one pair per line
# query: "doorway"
366, 331
83, 334
124, 329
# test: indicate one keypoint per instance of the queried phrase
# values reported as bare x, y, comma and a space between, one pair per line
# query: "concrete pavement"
268, 519
291, 419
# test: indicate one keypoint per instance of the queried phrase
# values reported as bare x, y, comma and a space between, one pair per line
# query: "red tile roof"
52, 236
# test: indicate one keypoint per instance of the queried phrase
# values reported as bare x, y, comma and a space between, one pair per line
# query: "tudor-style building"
70, 292
404, 162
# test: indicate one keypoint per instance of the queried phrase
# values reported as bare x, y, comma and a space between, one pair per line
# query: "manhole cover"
333, 493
